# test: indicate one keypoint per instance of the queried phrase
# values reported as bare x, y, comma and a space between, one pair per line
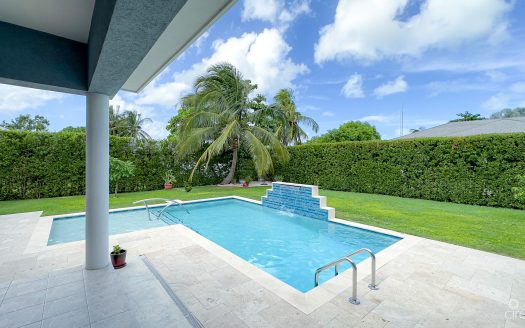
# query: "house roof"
469, 128
81, 46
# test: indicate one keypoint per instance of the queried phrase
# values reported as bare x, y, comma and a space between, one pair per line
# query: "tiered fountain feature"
298, 199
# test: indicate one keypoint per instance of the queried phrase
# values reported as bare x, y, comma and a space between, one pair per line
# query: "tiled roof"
470, 128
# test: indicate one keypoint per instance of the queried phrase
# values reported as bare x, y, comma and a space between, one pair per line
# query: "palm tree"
223, 122
290, 131
133, 123
127, 124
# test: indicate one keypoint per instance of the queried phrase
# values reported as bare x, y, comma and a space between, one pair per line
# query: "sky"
346, 60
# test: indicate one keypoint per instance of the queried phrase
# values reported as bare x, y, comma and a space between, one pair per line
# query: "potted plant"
118, 257
278, 178
168, 180
247, 181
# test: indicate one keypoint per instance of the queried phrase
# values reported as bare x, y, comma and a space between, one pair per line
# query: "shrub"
477, 170
44, 164
519, 188
120, 170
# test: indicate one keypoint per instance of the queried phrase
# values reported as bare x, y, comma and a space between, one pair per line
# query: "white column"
97, 181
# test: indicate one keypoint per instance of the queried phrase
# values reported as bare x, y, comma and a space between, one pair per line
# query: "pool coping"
305, 302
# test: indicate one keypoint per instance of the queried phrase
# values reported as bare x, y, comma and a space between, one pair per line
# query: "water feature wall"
298, 199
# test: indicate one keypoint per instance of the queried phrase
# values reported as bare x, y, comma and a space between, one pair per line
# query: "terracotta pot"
118, 260
168, 185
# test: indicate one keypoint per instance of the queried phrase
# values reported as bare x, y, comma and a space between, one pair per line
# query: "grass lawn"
491, 229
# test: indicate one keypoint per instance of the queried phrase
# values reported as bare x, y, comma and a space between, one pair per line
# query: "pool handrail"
372, 284
352, 299
168, 201
348, 259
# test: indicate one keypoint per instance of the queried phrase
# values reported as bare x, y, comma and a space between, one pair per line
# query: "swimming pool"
288, 246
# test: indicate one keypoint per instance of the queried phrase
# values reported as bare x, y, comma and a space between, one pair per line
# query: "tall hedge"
37, 165
477, 170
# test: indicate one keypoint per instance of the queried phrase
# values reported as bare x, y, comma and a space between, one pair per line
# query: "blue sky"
346, 60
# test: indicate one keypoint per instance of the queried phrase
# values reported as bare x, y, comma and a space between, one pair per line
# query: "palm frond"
308, 121
258, 151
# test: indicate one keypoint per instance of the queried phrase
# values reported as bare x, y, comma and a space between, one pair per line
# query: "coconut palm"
290, 130
223, 122
128, 124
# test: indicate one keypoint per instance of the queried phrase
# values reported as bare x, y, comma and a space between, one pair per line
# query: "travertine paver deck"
423, 284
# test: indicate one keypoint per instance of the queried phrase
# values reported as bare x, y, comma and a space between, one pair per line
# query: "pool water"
288, 246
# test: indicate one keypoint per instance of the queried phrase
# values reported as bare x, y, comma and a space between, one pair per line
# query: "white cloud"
15, 98
503, 100
156, 130
371, 30
200, 41
164, 94
261, 57
376, 118
513, 96
310, 108
496, 76
458, 86
497, 102
353, 87
276, 12
328, 114
396, 86
518, 87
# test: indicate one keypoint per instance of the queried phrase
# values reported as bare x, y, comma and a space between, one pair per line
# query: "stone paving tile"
18, 289
23, 301
109, 305
61, 291
73, 319
427, 284
22, 317
64, 305
124, 319
65, 278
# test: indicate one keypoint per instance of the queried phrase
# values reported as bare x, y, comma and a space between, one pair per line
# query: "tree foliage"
290, 120
27, 123
467, 116
120, 170
74, 129
421, 128
509, 112
129, 123
349, 131
221, 121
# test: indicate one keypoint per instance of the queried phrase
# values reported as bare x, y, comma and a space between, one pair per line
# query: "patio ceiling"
83, 46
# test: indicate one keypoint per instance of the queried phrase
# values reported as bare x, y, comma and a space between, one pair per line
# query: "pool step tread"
185, 311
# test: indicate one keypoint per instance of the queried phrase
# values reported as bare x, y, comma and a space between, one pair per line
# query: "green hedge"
37, 165
477, 170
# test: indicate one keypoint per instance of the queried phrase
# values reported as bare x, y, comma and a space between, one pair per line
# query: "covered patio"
96, 48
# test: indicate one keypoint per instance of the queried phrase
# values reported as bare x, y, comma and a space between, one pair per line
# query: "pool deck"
422, 283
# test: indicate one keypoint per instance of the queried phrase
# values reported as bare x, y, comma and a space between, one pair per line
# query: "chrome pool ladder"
348, 259
169, 202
